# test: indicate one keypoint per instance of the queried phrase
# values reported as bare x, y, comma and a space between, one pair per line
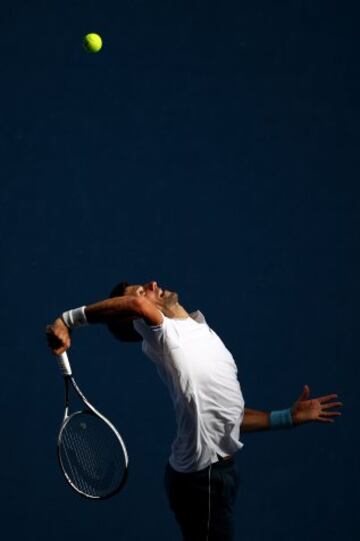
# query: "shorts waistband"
223, 461
227, 457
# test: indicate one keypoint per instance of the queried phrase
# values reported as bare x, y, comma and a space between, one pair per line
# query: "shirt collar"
198, 316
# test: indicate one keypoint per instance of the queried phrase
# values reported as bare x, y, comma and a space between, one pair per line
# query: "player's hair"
123, 330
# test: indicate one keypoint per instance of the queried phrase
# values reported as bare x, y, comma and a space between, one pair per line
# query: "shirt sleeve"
160, 337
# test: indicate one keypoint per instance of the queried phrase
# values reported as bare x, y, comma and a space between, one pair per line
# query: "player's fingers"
60, 350
56, 343
327, 397
53, 340
49, 332
332, 405
330, 413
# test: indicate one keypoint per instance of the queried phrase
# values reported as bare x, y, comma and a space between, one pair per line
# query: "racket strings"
91, 455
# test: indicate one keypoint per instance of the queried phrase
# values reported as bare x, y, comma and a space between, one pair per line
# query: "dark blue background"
210, 146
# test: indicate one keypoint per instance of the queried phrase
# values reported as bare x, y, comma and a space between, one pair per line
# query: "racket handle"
64, 364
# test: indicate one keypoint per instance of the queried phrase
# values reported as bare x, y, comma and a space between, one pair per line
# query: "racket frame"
69, 380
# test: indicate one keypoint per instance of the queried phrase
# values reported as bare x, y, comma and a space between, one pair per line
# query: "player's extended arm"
303, 410
255, 420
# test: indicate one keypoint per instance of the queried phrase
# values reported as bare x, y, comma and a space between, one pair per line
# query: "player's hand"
316, 409
58, 336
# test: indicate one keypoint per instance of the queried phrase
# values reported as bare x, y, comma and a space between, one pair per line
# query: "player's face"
154, 293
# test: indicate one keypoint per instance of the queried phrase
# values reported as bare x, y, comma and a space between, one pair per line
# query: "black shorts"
188, 495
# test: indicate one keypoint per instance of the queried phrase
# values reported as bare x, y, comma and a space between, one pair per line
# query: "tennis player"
201, 477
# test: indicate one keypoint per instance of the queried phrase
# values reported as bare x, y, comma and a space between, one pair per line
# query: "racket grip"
64, 364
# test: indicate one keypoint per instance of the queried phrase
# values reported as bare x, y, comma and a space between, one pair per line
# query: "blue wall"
210, 146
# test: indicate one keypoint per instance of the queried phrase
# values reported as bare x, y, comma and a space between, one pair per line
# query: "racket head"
92, 455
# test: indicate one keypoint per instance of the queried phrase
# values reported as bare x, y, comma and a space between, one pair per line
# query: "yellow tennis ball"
92, 43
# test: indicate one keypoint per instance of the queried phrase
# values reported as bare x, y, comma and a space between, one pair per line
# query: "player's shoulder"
147, 311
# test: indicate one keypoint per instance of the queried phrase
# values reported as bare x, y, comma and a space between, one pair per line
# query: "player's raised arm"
109, 309
127, 307
115, 309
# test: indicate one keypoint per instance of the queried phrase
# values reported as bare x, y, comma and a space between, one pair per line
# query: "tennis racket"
91, 452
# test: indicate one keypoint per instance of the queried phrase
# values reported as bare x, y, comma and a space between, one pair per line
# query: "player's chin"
169, 298
173, 297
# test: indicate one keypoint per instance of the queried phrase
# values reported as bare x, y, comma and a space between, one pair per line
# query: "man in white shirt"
201, 478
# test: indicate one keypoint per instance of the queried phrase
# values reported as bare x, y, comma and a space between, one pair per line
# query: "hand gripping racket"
91, 452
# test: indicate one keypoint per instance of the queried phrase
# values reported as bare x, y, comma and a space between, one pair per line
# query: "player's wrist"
75, 318
281, 419
59, 325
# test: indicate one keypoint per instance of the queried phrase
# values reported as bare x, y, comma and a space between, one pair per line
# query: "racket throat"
66, 383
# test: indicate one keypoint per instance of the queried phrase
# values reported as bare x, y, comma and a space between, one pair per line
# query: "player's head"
163, 299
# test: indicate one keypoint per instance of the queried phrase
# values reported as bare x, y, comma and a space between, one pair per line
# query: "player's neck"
175, 312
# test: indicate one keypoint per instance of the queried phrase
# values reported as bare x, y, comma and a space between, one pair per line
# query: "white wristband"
75, 318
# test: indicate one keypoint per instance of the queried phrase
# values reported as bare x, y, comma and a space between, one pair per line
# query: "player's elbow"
137, 306
122, 327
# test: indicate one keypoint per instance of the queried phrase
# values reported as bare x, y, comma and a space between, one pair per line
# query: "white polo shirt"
201, 376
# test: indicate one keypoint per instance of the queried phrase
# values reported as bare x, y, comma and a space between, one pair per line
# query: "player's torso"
194, 356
